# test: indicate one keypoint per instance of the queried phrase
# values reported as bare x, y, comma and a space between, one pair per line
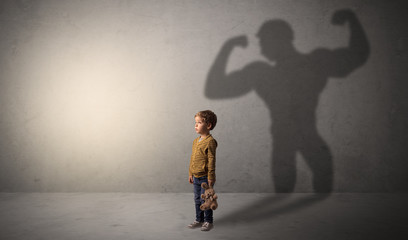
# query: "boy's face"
201, 127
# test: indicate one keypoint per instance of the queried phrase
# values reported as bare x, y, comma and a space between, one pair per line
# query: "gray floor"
165, 216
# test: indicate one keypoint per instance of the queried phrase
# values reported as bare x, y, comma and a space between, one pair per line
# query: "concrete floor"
111, 216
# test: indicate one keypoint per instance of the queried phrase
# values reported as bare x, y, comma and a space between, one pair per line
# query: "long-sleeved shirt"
202, 162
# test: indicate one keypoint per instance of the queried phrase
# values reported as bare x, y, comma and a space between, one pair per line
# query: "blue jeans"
201, 216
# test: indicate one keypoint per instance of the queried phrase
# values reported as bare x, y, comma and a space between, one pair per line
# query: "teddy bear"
209, 197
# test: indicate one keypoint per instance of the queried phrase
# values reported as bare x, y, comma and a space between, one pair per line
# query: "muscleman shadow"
290, 84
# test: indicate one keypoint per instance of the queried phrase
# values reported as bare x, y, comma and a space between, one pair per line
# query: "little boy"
202, 166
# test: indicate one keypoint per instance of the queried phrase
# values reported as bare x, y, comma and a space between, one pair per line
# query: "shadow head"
275, 39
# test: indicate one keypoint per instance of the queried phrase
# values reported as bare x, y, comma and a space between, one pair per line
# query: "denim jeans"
201, 216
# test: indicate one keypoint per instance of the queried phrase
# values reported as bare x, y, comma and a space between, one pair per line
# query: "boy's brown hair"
209, 117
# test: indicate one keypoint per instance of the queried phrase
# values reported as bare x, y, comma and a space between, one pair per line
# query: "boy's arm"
190, 172
211, 161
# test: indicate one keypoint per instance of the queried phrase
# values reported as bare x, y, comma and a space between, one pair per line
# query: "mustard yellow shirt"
202, 162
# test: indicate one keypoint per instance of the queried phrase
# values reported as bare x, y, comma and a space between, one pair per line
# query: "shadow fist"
240, 41
340, 17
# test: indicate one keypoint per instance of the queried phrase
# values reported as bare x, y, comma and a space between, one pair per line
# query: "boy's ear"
209, 126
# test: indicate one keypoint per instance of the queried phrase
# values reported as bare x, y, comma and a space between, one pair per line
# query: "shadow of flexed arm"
343, 61
220, 84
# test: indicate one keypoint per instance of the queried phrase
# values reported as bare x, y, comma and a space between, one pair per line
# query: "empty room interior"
104, 132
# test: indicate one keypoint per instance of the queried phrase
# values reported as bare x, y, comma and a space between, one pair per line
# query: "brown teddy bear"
209, 197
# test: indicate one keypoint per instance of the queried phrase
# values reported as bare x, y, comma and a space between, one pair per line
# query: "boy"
202, 166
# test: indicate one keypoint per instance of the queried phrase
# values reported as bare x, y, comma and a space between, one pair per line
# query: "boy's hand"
211, 182
190, 179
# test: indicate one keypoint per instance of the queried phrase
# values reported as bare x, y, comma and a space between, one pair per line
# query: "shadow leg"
317, 155
283, 164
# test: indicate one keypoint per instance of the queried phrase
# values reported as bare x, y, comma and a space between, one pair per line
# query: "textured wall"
100, 95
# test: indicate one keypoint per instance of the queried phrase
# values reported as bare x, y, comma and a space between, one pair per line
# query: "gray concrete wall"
100, 95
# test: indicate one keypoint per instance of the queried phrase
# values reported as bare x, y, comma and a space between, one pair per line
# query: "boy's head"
208, 117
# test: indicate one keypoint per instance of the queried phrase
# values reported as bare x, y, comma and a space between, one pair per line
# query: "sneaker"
207, 226
195, 224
